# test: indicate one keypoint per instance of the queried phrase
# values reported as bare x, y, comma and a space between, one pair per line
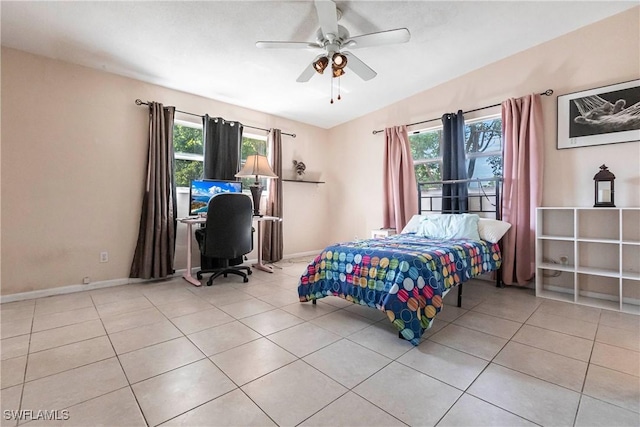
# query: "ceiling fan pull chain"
339, 98
331, 81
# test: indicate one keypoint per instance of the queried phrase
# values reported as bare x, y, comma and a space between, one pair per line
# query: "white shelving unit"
589, 256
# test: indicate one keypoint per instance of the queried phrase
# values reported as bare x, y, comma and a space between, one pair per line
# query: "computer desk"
190, 221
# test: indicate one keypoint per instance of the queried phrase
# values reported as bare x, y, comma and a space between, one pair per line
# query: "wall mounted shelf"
304, 181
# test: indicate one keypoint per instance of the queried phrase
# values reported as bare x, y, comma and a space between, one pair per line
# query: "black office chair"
227, 236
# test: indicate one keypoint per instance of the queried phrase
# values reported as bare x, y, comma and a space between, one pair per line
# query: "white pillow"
492, 230
413, 224
450, 226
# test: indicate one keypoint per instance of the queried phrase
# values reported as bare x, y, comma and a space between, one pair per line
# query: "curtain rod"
547, 92
293, 135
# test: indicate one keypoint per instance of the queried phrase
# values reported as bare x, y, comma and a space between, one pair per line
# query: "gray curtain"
272, 246
454, 196
222, 145
155, 248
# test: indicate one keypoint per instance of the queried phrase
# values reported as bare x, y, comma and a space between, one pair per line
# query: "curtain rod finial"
139, 102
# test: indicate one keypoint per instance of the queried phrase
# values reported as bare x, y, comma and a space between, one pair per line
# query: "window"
188, 150
483, 151
483, 148
254, 144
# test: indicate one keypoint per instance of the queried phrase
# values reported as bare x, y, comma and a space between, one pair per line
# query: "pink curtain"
522, 130
400, 188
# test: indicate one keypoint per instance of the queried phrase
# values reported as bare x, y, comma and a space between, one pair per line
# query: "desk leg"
260, 265
187, 274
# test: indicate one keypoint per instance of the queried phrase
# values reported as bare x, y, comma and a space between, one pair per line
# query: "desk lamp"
258, 166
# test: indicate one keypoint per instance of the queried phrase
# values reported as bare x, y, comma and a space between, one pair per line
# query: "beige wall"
74, 149
73, 165
598, 55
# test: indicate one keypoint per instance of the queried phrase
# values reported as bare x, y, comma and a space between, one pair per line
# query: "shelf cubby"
598, 258
630, 257
598, 224
631, 226
556, 284
556, 223
631, 295
555, 251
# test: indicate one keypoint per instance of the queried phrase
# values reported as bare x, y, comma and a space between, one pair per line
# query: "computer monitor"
201, 190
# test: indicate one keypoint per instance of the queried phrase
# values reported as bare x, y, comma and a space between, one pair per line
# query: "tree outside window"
483, 148
483, 151
188, 150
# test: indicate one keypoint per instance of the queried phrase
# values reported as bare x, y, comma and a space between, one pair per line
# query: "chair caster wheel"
209, 283
250, 272
199, 275
246, 279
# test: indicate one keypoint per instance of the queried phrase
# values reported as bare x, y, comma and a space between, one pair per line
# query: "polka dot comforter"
405, 275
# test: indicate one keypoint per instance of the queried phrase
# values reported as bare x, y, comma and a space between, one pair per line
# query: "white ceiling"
208, 48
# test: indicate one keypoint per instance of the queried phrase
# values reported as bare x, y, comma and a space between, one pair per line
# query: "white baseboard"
69, 289
301, 254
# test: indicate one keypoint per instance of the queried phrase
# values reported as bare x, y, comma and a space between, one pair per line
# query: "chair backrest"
229, 226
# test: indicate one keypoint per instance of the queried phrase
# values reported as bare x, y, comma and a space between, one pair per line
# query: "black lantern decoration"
604, 188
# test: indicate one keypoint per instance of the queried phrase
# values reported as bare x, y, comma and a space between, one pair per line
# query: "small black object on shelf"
604, 190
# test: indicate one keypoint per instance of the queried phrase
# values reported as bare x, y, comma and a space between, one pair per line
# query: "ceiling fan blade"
286, 45
399, 35
328, 17
360, 68
306, 74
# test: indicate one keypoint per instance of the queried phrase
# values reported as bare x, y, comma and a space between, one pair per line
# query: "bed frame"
478, 202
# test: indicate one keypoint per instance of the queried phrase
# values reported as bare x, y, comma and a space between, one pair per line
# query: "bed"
405, 275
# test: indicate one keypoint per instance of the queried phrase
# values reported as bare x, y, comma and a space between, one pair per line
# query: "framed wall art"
605, 115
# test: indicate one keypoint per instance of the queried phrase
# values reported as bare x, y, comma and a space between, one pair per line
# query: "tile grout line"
465, 391
586, 373
124, 372
26, 365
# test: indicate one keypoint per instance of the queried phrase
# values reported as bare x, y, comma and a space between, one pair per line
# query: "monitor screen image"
201, 190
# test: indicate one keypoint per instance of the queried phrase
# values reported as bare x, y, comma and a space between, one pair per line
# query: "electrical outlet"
104, 256
86, 280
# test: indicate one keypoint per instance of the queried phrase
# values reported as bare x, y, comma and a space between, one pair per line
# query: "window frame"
468, 156
177, 155
266, 182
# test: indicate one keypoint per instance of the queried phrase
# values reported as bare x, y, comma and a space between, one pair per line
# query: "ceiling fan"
333, 38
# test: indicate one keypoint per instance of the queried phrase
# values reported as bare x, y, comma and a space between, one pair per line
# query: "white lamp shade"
256, 165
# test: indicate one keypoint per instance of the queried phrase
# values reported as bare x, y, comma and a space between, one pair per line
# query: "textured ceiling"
208, 48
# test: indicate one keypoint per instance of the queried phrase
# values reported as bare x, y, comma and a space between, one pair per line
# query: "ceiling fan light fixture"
337, 72
339, 60
320, 64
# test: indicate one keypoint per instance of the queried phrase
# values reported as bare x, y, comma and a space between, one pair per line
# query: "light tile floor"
239, 354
